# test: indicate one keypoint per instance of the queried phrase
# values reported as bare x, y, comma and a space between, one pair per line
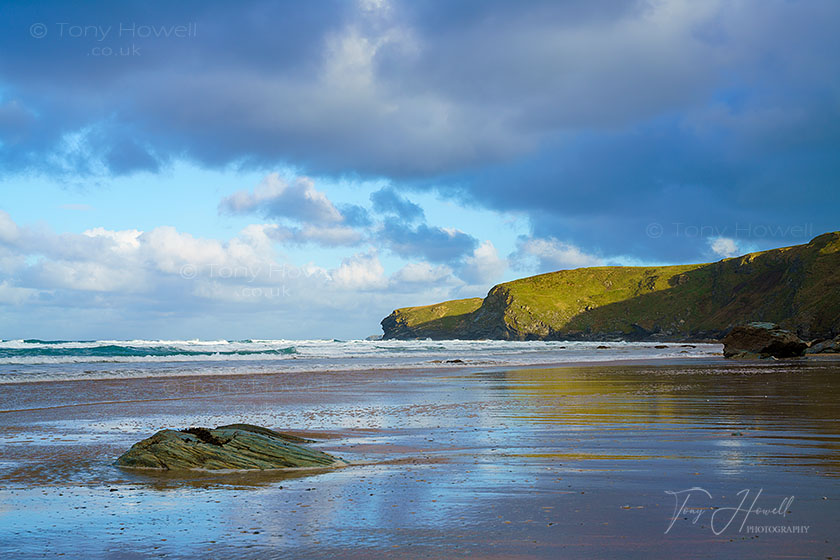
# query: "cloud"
483, 266
84, 276
406, 91
103, 260
388, 201
15, 122
8, 228
432, 243
127, 156
124, 241
362, 271
355, 215
550, 254
724, 246
13, 295
422, 273
699, 113
170, 250
275, 197
328, 236
301, 203
166, 282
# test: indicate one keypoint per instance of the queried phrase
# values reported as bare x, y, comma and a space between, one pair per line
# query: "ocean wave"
9, 355
33, 360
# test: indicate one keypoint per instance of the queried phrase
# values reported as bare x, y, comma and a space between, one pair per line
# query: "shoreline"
442, 365
242, 379
247, 381
146, 359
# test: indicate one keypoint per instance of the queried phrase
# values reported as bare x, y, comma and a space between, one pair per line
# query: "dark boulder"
237, 446
762, 340
825, 347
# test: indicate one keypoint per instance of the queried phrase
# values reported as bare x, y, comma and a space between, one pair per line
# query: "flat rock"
231, 447
762, 340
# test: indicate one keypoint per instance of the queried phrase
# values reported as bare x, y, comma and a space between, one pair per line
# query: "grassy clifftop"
431, 321
797, 287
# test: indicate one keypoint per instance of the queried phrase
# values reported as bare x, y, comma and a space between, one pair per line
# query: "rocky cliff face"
796, 287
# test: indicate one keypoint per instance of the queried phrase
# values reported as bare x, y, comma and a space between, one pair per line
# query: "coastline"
419, 368
32, 361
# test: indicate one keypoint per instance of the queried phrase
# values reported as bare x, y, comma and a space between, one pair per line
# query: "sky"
257, 169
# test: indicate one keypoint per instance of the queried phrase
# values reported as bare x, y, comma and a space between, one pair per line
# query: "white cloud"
375, 6
724, 246
89, 276
164, 277
14, 295
551, 254
484, 265
362, 271
422, 273
124, 241
171, 250
258, 236
8, 228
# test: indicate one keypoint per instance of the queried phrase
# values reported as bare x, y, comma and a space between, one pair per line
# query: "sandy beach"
582, 461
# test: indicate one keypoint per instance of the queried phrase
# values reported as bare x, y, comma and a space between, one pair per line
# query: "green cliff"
797, 287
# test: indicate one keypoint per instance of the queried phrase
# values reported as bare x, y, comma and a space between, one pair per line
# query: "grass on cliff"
558, 297
447, 315
798, 287
455, 307
795, 286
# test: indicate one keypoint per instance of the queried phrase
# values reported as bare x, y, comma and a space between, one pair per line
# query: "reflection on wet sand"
572, 462
749, 411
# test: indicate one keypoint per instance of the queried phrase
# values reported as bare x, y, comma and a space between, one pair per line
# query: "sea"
34, 360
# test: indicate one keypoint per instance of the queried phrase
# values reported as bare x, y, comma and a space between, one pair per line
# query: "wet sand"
579, 461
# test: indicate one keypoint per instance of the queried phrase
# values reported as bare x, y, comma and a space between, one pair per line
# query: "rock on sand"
762, 340
236, 446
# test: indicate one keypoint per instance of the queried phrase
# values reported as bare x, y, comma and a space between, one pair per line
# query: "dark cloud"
405, 92
661, 191
128, 157
77, 66
388, 201
355, 215
435, 244
598, 120
15, 122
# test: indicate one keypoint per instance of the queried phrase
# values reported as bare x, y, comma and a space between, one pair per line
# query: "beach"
690, 458
382, 279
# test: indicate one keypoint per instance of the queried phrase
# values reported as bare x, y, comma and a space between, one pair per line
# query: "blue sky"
298, 170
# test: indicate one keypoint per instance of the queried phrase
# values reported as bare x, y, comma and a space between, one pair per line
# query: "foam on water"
40, 360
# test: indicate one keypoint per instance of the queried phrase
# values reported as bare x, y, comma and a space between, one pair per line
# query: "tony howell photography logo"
246, 273
121, 30
656, 230
112, 40
741, 513
249, 282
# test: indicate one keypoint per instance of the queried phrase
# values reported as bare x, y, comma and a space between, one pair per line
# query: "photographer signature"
686, 504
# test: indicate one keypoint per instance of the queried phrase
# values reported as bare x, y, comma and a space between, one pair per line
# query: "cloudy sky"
268, 169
